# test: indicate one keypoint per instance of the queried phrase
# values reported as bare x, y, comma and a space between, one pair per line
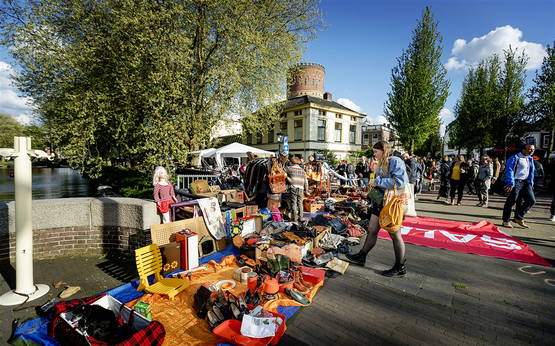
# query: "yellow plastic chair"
149, 262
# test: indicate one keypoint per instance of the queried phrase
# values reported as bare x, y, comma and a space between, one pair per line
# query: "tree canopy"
491, 105
541, 105
9, 128
144, 82
419, 86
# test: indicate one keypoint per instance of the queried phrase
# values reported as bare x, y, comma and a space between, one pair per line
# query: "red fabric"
481, 238
153, 334
164, 206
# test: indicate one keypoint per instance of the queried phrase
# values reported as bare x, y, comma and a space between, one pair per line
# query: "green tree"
541, 105
9, 128
477, 107
144, 82
330, 157
419, 86
509, 119
490, 109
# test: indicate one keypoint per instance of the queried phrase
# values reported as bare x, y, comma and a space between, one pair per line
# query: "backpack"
391, 216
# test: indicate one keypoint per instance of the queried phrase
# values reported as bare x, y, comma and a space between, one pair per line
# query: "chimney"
328, 96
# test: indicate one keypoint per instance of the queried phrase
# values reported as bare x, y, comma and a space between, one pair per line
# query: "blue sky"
363, 38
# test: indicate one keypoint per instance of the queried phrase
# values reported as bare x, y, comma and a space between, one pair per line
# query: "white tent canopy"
235, 150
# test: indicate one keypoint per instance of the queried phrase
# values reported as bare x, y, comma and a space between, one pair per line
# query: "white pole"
23, 219
25, 289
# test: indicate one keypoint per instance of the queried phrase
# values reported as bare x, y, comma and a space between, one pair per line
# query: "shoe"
485, 205
59, 284
507, 224
213, 320
458, 203
357, 258
398, 270
521, 223
69, 291
235, 311
480, 204
297, 296
452, 202
552, 218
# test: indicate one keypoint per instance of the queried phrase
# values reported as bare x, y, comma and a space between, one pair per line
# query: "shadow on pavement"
119, 268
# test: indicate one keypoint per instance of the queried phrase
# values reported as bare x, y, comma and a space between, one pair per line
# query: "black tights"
372, 238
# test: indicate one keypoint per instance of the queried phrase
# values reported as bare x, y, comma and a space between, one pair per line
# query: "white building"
311, 120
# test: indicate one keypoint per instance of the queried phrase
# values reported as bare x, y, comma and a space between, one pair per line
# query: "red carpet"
480, 238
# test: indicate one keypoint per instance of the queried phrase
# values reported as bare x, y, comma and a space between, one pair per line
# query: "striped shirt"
296, 176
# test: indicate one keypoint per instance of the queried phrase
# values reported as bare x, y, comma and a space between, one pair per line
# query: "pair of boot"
398, 270
280, 263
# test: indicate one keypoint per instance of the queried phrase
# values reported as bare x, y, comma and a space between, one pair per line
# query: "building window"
249, 139
283, 128
531, 140
271, 135
366, 139
321, 130
322, 112
374, 135
338, 130
546, 140
258, 138
283, 115
352, 134
299, 112
299, 130
338, 116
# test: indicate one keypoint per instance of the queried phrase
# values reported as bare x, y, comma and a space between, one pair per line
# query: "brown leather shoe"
521, 223
507, 224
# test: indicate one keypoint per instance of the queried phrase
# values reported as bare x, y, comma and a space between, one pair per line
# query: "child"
164, 195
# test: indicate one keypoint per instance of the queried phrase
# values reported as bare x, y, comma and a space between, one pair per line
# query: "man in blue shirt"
519, 180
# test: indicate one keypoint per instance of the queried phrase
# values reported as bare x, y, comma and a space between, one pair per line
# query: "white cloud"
494, 42
446, 117
10, 102
349, 104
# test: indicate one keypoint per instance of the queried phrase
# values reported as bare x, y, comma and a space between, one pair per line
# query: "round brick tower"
306, 79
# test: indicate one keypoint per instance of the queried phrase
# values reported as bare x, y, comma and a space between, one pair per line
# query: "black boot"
357, 258
398, 270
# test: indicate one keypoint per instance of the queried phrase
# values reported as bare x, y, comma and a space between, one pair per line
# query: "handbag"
405, 195
376, 195
391, 215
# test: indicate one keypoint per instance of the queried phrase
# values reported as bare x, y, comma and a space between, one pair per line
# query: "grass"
459, 285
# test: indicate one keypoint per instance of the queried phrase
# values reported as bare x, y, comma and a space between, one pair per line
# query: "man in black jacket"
412, 169
363, 171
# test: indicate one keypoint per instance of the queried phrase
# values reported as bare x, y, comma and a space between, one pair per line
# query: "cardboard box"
251, 210
143, 309
165, 233
235, 196
311, 206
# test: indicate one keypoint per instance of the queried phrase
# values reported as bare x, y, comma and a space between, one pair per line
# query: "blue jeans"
521, 194
364, 182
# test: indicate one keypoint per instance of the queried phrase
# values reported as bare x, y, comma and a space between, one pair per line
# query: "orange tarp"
182, 325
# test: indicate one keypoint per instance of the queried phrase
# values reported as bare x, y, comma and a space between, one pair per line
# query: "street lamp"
280, 137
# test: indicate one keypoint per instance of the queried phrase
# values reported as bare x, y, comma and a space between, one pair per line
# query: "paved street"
447, 297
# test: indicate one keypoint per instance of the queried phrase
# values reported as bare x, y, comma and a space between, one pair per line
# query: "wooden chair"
149, 262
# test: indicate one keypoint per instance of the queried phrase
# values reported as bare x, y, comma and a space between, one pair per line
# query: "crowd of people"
518, 179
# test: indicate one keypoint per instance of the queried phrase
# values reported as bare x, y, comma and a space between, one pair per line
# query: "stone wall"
81, 225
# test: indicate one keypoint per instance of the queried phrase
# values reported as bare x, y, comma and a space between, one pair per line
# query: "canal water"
47, 183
